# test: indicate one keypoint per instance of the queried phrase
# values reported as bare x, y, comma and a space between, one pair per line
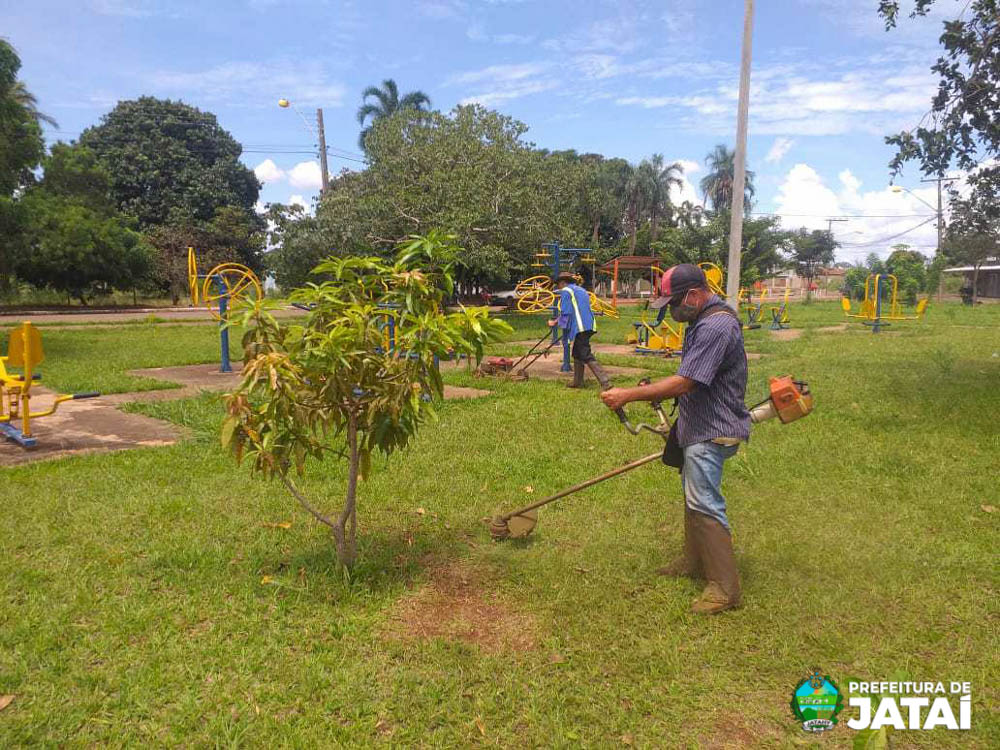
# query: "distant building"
988, 283
828, 281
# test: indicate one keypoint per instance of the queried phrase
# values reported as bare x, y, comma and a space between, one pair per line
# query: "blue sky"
626, 78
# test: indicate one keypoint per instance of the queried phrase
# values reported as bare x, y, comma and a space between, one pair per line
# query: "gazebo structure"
630, 271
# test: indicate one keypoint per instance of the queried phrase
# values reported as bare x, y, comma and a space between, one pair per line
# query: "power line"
825, 217
890, 237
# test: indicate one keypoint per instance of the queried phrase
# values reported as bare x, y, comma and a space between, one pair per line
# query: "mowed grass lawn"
152, 596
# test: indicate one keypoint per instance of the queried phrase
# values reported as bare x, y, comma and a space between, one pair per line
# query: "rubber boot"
688, 563
577, 381
716, 548
602, 377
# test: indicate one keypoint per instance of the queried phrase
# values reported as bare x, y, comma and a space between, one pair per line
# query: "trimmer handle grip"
85, 394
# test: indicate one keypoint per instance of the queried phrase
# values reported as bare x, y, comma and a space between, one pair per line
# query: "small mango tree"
341, 384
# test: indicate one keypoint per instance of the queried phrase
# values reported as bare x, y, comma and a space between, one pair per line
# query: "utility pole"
740, 167
829, 225
940, 225
324, 175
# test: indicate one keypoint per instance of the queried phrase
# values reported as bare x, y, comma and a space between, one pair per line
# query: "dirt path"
97, 425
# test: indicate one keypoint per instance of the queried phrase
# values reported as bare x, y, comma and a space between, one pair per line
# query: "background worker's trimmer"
788, 400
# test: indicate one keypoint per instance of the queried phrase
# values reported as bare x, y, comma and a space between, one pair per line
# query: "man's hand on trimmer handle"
616, 398
661, 390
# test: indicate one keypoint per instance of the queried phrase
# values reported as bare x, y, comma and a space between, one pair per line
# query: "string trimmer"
788, 400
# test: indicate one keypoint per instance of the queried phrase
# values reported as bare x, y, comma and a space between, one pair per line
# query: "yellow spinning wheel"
602, 307
532, 283
536, 300
232, 281
714, 276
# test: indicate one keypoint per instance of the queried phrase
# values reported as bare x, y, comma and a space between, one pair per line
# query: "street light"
320, 134
937, 211
901, 189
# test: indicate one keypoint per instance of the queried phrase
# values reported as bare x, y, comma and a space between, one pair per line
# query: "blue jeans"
701, 478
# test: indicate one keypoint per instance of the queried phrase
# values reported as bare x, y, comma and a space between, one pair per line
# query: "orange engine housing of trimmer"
789, 400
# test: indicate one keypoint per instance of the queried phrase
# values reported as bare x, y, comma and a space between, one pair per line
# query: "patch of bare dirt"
458, 602
96, 425
840, 328
788, 334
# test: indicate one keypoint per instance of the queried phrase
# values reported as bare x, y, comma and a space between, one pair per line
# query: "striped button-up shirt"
714, 358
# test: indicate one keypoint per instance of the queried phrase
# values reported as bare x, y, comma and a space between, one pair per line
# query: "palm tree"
717, 185
660, 179
637, 190
20, 95
387, 103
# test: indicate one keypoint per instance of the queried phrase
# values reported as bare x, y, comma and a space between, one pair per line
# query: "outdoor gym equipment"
25, 352
787, 399
754, 310
872, 311
220, 290
537, 294
779, 314
662, 338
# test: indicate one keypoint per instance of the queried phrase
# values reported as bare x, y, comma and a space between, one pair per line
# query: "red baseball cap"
677, 280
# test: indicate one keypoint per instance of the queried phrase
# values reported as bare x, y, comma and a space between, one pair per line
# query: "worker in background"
710, 388
576, 319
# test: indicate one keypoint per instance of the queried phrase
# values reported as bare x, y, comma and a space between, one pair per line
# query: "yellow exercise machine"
219, 290
754, 309
872, 311
659, 337
25, 353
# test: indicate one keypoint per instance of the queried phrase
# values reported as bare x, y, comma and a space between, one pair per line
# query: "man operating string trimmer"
710, 388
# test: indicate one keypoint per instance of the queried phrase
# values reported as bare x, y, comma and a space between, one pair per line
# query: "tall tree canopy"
706, 238
810, 251
963, 125
167, 157
718, 184
21, 149
386, 102
77, 242
469, 172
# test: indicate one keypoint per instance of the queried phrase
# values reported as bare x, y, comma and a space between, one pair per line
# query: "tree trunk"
345, 531
975, 284
652, 231
596, 237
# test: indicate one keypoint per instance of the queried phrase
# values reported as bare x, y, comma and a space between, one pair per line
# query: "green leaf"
228, 429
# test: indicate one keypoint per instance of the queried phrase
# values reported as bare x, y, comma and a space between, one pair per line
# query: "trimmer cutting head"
516, 527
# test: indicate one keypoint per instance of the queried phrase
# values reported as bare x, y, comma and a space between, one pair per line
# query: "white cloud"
125, 8
875, 217
298, 200
490, 98
441, 10
255, 84
477, 33
620, 35
504, 82
513, 39
499, 73
306, 175
268, 171
690, 166
802, 99
778, 149
688, 190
